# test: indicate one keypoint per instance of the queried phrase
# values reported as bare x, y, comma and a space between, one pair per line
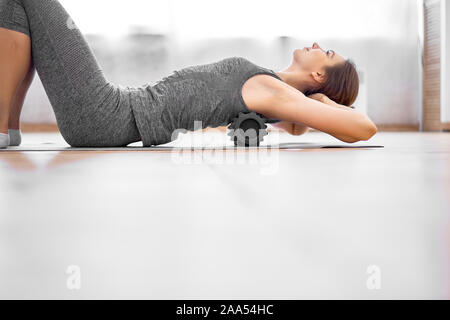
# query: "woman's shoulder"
260, 92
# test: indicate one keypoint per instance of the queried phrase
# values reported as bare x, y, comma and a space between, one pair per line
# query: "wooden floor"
277, 224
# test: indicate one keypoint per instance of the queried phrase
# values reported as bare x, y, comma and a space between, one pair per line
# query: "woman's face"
316, 59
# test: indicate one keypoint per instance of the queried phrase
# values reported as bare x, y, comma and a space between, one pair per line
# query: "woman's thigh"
110, 123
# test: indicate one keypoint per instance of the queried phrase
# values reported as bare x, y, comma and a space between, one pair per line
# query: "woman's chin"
298, 55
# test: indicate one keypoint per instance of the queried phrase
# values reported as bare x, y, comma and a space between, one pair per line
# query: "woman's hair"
341, 84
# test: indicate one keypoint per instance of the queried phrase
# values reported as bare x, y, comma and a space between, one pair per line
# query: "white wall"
199, 19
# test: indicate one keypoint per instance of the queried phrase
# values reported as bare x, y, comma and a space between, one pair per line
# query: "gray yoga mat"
282, 146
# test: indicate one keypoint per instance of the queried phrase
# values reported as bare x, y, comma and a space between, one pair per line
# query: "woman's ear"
318, 77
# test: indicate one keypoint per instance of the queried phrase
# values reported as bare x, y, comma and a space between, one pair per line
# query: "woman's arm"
288, 104
299, 129
323, 98
295, 129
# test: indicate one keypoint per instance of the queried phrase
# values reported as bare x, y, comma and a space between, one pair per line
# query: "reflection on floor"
262, 224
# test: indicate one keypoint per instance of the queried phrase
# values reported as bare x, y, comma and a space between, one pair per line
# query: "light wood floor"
290, 224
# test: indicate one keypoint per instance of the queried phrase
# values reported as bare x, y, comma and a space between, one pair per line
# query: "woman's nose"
315, 45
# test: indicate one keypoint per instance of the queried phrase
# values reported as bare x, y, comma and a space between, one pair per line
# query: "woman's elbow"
368, 132
298, 131
364, 134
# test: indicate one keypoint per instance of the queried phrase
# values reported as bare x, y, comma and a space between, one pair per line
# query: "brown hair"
341, 84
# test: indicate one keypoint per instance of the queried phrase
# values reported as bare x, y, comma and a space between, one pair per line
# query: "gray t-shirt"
209, 93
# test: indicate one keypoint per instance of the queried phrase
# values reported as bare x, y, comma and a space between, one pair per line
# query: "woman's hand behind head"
324, 99
319, 97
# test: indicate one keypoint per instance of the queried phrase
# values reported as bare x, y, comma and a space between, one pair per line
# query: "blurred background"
141, 41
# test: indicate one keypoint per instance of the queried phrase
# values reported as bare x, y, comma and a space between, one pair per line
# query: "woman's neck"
295, 79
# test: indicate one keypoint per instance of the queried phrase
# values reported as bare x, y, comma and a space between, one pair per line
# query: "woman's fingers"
318, 96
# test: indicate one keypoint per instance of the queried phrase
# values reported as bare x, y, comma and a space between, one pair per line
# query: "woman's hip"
98, 126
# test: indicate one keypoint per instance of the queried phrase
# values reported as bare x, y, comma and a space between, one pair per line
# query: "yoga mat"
282, 146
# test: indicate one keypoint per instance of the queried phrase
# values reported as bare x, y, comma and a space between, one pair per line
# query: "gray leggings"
90, 111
